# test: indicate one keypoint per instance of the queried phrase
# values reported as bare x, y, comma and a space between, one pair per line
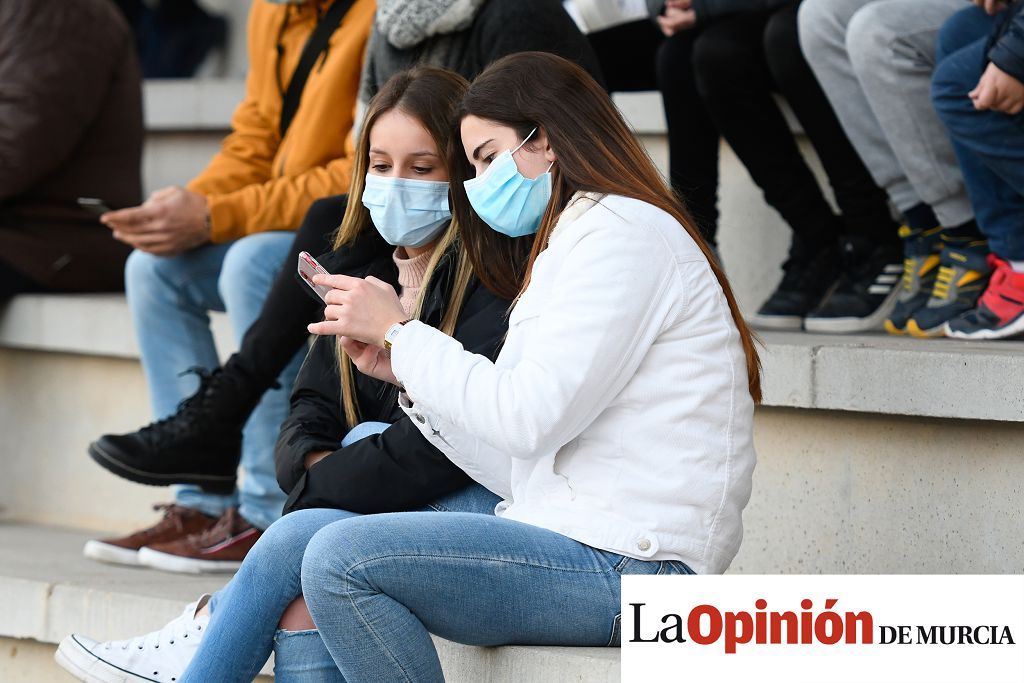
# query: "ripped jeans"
377, 584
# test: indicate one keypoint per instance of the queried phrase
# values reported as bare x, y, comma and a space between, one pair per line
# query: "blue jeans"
378, 585
989, 145
245, 613
170, 300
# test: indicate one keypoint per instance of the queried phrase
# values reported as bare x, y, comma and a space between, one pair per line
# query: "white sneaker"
158, 657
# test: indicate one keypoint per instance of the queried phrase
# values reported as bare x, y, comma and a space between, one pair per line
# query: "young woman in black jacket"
347, 448
392, 468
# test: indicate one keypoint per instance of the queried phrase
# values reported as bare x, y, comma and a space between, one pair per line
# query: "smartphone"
94, 206
308, 267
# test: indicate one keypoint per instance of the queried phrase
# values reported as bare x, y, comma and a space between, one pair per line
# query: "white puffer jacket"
618, 412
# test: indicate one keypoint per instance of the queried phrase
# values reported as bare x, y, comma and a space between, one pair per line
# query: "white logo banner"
823, 629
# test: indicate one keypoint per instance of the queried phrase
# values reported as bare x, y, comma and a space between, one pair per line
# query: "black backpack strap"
315, 46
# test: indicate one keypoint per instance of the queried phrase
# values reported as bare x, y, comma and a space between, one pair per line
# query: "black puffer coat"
397, 469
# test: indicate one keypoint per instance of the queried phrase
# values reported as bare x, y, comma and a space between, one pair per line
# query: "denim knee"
252, 262
962, 29
285, 539
143, 273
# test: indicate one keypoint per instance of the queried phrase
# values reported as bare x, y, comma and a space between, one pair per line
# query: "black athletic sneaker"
201, 444
921, 250
866, 291
804, 282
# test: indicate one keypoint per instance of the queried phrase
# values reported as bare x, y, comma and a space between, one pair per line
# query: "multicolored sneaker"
963, 274
921, 250
1000, 310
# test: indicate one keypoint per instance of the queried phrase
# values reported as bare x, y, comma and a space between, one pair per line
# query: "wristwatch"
389, 336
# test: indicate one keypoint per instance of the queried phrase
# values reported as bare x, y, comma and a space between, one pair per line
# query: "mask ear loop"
525, 140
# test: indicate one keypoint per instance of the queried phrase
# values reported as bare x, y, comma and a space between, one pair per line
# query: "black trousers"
280, 330
720, 79
636, 56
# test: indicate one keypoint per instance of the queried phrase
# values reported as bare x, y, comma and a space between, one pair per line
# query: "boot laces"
189, 409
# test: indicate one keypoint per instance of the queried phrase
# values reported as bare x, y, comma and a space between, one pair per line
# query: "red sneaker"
219, 549
177, 523
1000, 310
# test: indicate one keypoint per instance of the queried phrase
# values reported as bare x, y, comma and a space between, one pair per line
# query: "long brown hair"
596, 153
430, 95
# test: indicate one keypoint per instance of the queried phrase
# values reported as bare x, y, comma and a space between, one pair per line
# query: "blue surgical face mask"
407, 212
505, 199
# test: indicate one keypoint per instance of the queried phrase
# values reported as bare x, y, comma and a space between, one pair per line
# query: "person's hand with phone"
172, 221
362, 309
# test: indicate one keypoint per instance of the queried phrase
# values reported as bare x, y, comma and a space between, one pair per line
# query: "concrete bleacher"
876, 454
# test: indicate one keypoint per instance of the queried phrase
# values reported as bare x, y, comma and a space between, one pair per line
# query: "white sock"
1018, 266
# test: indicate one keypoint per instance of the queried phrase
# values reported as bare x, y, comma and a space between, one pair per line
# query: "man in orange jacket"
218, 243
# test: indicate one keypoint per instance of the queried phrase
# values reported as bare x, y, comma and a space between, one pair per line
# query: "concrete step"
874, 452
49, 590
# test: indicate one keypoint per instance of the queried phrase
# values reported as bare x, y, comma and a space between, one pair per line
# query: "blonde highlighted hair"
430, 95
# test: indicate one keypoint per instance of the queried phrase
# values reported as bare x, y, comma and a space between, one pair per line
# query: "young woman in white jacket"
616, 423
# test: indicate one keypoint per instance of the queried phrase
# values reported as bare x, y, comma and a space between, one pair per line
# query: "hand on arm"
999, 91
173, 220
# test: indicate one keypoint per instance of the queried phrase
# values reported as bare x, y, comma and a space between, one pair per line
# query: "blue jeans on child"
466, 575
170, 300
989, 144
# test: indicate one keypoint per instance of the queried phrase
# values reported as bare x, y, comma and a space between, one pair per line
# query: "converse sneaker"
921, 250
158, 657
804, 282
201, 444
963, 275
177, 523
219, 549
866, 292
1000, 310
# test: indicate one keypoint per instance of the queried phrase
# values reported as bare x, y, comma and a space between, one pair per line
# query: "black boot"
200, 444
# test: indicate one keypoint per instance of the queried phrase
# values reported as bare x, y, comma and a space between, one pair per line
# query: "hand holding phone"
308, 267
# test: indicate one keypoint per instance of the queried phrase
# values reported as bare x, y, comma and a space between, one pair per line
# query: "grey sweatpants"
874, 61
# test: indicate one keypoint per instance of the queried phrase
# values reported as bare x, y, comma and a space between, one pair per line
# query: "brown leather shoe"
177, 522
219, 549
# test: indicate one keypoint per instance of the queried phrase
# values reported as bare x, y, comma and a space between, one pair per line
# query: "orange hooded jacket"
259, 181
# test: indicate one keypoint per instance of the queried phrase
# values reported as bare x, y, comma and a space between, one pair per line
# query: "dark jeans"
721, 78
280, 331
989, 144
